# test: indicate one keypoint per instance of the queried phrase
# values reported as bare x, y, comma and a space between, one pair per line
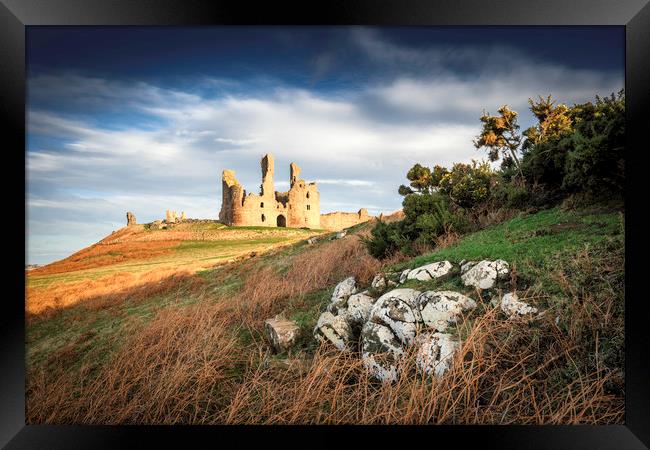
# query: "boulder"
403, 276
398, 310
380, 351
341, 234
435, 353
341, 293
359, 306
513, 307
430, 271
466, 265
282, 333
379, 282
438, 309
334, 329
485, 274
311, 240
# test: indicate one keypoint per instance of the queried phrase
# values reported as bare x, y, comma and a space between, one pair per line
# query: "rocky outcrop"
398, 310
385, 328
430, 271
334, 329
380, 351
513, 307
485, 274
281, 333
403, 276
439, 309
379, 281
130, 219
341, 293
435, 353
359, 307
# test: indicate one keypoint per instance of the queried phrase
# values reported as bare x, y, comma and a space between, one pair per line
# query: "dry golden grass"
109, 290
189, 366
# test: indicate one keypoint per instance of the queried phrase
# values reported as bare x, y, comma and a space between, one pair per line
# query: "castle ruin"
299, 207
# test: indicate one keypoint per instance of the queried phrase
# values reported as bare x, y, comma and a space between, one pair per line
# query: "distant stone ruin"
299, 207
130, 219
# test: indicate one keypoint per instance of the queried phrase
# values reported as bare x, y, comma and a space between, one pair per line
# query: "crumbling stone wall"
296, 208
339, 220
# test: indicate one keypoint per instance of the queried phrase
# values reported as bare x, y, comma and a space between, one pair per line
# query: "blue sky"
145, 119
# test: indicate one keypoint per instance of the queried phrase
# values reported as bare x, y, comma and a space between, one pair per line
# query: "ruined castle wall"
338, 220
299, 207
304, 205
260, 210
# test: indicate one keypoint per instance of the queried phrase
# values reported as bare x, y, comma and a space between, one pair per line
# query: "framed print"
381, 219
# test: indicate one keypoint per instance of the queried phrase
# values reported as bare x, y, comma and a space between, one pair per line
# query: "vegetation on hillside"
571, 153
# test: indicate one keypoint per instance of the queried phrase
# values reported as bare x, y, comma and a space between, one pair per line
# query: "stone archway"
282, 221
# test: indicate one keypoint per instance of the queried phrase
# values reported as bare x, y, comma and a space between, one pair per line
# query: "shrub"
585, 154
468, 184
385, 239
427, 216
596, 161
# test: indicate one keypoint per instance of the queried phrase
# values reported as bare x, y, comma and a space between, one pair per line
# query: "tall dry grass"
189, 366
44, 301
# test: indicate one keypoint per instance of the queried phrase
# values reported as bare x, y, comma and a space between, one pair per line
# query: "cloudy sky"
145, 119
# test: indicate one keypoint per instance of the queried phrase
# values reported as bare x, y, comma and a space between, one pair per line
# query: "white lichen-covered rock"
513, 307
466, 265
403, 276
435, 353
430, 271
334, 329
281, 333
379, 282
380, 351
341, 234
359, 306
398, 310
485, 274
438, 309
341, 293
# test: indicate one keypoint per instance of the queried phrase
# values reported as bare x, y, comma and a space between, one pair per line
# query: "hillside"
139, 254
190, 347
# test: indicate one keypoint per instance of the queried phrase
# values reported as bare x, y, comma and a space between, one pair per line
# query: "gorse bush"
427, 216
578, 149
467, 185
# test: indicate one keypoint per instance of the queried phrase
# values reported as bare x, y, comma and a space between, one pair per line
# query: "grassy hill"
139, 254
188, 346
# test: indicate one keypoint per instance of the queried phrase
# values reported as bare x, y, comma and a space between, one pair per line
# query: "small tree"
500, 136
423, 180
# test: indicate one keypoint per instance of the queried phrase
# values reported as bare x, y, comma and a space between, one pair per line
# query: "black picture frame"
634, 15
